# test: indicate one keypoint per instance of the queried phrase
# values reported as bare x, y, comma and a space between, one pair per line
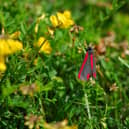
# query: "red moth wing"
88, 66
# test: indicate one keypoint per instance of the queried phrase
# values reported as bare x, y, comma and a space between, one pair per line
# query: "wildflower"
67, 14
44, 45
59, 125
54, 21
2, 64
33, 121
62, 20
76, 29
114, 87
9, 46
29, 90
79, 49
92, 81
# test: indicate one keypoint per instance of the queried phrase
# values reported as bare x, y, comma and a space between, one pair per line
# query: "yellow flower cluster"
62, 20
8, 46
44, 44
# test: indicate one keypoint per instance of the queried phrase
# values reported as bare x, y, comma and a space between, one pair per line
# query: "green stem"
87, 105
41, 109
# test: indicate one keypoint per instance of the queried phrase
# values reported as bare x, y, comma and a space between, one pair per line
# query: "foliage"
39, 87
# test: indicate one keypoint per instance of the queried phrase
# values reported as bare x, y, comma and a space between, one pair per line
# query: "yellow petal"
54, 21
2, 64
2, 59
46, 48
31, 126
26, 123
40, 41
41, 18
4, 49
36, 27
9, 46
14, 45
70, 22
62, 19
67, 14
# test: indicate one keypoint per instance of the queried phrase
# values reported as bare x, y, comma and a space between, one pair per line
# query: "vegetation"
42, 46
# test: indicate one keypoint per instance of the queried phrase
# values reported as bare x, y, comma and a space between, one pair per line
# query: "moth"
88, 68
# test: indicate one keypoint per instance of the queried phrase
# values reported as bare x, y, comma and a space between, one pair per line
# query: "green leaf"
123, 62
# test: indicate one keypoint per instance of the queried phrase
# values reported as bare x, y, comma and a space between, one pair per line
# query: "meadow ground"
42, 47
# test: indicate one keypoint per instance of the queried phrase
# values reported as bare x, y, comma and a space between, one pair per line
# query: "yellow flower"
45, 45
54, 21
67, 14
62, 20
9, 46
2, 64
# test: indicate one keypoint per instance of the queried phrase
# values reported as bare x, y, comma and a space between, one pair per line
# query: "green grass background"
62, 95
